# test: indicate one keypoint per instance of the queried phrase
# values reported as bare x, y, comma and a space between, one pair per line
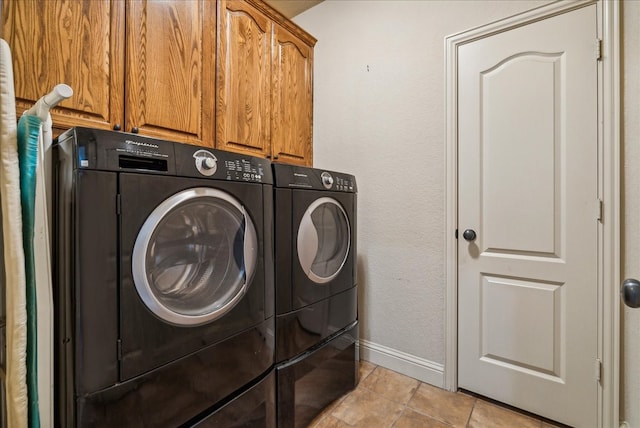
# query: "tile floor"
385, 398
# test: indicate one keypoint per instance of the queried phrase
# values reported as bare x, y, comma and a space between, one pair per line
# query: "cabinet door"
171, 69
244, 79
80, 43
292, 97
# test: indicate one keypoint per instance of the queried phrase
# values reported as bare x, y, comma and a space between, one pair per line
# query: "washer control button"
327, 180
206, 162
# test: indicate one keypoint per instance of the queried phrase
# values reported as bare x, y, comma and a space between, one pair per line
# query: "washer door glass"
195, 256
324, 239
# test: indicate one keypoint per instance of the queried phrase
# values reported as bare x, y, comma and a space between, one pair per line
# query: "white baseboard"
406, 364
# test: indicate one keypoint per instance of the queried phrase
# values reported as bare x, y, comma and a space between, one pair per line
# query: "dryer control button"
327, 180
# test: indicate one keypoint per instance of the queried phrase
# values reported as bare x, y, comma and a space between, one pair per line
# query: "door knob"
469, 235
630, 292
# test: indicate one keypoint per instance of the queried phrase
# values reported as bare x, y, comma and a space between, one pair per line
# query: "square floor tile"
365, 369
364, 408
328, 421
449, 407
413, 419
486, 414
394, 386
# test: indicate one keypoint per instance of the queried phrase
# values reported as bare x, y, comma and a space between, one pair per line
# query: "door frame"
609, 175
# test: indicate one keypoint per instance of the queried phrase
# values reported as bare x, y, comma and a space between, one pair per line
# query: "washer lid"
195, 256
324, 240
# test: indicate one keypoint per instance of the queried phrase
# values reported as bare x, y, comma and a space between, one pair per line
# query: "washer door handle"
307, 243
250, 249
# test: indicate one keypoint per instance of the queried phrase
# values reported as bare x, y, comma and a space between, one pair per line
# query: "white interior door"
528, 183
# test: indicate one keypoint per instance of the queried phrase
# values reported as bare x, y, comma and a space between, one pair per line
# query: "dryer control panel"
291, 176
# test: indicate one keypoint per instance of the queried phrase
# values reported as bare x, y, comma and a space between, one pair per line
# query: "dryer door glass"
195, 256
324, 240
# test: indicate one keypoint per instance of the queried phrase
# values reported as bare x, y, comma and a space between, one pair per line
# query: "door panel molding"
608, 19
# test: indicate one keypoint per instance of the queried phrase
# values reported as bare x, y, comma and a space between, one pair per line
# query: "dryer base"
305, 328
311, 381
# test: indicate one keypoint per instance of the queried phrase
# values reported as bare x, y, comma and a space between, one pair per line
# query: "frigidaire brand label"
141, 144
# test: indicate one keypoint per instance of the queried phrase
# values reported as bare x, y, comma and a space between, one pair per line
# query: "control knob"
206, 162
327, 180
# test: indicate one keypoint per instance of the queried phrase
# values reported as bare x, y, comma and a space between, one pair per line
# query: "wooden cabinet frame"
264, 83
230, 74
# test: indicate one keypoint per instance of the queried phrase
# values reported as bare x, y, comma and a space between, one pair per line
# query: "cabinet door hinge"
456, 233
599, 210
598, 49
598, 370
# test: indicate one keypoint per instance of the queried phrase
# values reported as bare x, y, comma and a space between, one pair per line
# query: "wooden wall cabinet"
158, 81
170, 75
155, 67
243, 79
66, 41
292, 99
264, 83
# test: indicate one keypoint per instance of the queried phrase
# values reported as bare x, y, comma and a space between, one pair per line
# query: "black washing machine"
316, 290
164, 283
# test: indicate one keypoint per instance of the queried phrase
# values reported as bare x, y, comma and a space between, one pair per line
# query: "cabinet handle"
117, 127
269, 156
134, 130
275, 156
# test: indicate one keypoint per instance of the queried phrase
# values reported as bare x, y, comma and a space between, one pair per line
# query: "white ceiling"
291, 8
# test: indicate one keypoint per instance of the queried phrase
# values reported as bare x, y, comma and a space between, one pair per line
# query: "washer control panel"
192, 161
100, 149
244, 170
221, 165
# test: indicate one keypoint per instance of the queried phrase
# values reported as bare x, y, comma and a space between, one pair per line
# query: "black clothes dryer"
164, 287
316, 289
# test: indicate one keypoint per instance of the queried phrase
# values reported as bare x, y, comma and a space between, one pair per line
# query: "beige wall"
379, 114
